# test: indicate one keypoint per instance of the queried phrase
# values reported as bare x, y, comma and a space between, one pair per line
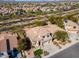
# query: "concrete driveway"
71, 52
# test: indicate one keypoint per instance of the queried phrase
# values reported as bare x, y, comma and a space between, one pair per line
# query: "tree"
57, 20
13, 15
72, 18
21, 45
28, 44
61, 35
52, 19
38, 53
24, 43
1, 15
21, 12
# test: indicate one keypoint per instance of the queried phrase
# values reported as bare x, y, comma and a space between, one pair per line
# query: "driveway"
73, 36
71, 52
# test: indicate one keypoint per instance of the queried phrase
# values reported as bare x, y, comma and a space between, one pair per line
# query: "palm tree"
24, 43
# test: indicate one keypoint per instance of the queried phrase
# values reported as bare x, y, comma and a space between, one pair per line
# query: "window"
65, 21
43, 36
51, 34
74, 27
39, 43
47, 35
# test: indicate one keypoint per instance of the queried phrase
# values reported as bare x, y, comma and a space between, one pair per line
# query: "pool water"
13, 53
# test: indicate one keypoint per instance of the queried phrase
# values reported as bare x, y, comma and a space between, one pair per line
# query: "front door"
8, 44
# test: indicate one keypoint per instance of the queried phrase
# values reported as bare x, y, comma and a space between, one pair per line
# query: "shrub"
61, 35
38, 53
40, 23
57, 20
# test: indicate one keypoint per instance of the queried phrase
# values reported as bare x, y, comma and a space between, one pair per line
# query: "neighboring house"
66, 8
42, 34
8, 41
55, 8
72, 28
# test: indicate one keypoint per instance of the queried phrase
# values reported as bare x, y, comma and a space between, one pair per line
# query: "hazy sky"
40, 0
37, 0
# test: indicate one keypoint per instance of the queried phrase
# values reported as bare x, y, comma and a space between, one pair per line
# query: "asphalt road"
71, 52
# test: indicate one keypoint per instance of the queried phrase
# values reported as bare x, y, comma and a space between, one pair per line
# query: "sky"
40, 0
36, 0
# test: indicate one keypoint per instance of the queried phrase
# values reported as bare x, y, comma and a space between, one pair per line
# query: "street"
71, 52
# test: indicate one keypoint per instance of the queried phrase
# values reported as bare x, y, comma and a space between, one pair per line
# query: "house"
42, 34
8, 41
72, 28
66, 8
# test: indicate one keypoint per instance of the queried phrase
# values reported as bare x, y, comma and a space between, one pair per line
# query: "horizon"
36, 0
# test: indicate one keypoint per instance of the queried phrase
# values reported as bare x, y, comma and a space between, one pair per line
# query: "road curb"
48, 56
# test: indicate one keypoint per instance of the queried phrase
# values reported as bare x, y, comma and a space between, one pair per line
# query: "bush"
61, 35
57, 20
72, 18
46, 53
52, 19
38, 53
40, 23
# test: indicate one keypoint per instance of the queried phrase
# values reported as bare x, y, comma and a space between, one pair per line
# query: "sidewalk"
64, 47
